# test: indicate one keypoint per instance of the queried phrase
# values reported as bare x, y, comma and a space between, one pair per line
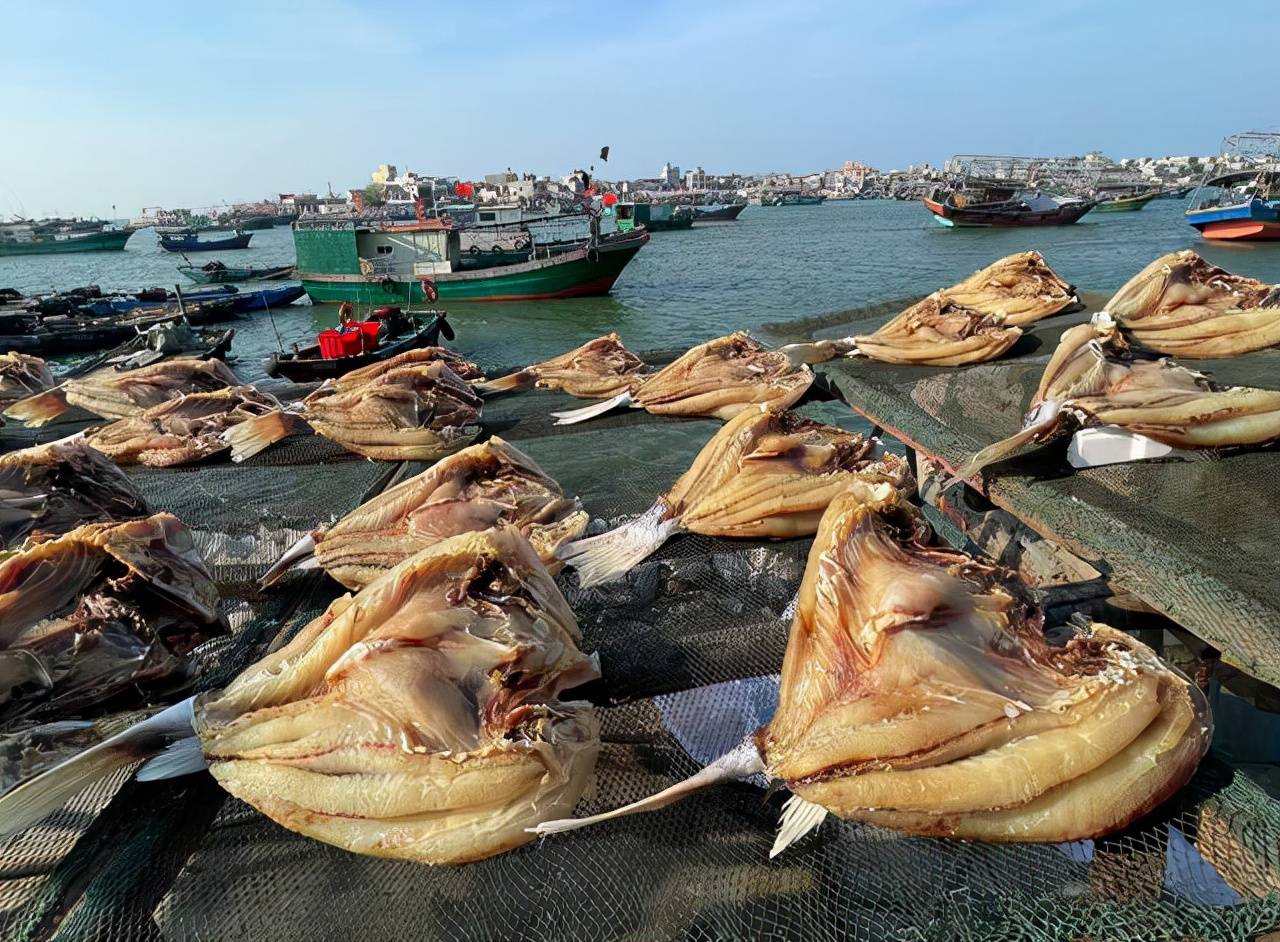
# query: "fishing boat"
718, 212
382, 261
190, 241
255, 222
1123, 203
241, 302
1239, 198
791, 198
985, 204
46, 236
656, 217
394, 332
217, 273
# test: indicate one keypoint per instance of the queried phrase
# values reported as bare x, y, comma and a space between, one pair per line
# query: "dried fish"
22, 375
461, 366
1021, 288
189, 428
114, 395
479, 487
1091, 380
1181, 304
53, 488
105, 614
766, 473
599, 369
918, 692
418, 412
718, 378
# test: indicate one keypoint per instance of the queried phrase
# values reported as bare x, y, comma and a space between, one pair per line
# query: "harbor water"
773, 264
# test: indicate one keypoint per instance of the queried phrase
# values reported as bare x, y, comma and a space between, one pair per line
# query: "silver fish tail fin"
254, 435
37, 797
819, 351
295, 556
574, 416
39, 409
512, 382
739, 764
799, 817
612, 555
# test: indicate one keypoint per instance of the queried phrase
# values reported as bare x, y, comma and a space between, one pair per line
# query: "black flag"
604, 154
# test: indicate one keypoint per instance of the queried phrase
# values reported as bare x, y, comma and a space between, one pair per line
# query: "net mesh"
690, 643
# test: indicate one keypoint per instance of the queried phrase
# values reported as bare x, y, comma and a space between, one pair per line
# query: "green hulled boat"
216, 273
58, 236
403, 262
1125, 204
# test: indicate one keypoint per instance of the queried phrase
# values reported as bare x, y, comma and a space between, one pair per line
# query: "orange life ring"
429, 290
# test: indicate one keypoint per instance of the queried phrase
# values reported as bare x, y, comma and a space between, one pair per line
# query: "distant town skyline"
145, 104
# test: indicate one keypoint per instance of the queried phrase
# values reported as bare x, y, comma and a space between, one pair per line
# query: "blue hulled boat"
190, 241
241, 301
1240, 202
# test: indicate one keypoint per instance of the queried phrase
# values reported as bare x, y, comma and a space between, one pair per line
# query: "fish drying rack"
690, 644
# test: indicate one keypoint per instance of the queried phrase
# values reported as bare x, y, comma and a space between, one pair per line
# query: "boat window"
488, 217
386, 249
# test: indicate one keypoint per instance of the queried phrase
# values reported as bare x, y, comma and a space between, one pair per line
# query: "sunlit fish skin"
766, 473
419, 719
99, 614
1019, 288
182, 430
422, 356
54, 488
479, 487
599, 369
722, 377
939, 332
1182, 305
1092, 381
918, 692
22, 375
419, 412
115, 395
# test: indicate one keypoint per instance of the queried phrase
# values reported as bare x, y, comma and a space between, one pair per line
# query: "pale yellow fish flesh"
1021, 288
477, 488
22, 375
939, 332
599, 369
765, 474
918, 692
189, 428
421, 718
722, 377
1183, 305
115, 395
460, 366
1091, 380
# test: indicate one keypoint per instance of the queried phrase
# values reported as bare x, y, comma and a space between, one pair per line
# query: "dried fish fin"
573, 416
610, 556
40, 409
512, 382
799, 817
302, 552
261, 432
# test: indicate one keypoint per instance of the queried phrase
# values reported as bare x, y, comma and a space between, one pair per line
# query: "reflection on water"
771, 265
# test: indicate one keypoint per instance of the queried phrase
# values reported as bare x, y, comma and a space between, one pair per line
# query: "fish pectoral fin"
799, 817
574, 416
294, 558
182, 757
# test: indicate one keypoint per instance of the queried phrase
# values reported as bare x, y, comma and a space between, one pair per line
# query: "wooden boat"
191, 242
58, 236
397, 262
405, 332
998, 204
242, 302
1125, 204
216, 273
655, 217
256, 222
718, 212
1240, 206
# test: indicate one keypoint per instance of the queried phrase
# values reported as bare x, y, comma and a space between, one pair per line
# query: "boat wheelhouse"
381, 261
1239, 198
656, 217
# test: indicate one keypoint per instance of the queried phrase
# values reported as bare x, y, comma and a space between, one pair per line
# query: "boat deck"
1194, 540
690, 644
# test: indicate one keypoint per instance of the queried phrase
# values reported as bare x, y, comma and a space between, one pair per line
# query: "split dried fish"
973, 321
419, 412
718, 379
1181, 304
1091, 380
106, 614
53, 488
479, 487
461, 366
189, 428
419, 719
599, 369
918, 692
766, 473
114, 395
22, 375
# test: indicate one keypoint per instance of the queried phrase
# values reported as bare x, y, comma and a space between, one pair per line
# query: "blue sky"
170, 104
